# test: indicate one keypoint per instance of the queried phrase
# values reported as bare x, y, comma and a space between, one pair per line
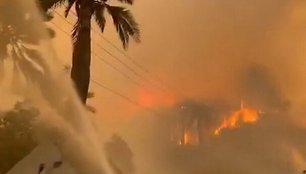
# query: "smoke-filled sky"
208, 51
202, 50
224, 50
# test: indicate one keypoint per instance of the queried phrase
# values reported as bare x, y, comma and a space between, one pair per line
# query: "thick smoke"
274, 144
222, 52
216, 53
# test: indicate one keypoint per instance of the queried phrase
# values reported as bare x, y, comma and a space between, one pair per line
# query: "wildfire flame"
245, 115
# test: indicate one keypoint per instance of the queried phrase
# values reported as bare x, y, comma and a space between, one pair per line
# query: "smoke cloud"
217, 53
213, 53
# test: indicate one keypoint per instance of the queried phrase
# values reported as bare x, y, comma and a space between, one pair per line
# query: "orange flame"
246, 115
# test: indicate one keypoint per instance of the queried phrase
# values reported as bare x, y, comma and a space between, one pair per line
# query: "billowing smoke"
272, 144
218, 53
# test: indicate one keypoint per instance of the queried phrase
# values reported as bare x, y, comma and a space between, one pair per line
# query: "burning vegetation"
244, 115
193, 126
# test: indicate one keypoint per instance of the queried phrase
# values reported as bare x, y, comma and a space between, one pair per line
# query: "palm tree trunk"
80, 72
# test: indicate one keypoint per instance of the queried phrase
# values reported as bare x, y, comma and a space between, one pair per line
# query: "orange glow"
168, 100
152, 99
189, 138
245, 115
145, 98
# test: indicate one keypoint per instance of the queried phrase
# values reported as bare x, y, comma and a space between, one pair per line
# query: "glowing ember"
245, 115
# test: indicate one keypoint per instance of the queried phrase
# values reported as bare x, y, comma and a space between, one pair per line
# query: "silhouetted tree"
123, 20
16, 135
19, 41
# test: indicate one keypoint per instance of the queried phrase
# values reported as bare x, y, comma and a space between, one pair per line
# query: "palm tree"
19, 42
18, 39
123, 20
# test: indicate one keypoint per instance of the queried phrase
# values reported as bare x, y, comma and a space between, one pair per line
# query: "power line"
117, 59
128, 67
142, 68
117, 69
128, 99
58, 27
106, 62
99, 84
116, 93
126, 55
123, 96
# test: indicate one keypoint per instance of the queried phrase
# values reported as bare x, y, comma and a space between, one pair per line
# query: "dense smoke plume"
215, 53
218, 53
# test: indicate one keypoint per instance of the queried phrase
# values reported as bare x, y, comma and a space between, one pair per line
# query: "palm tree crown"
123, 20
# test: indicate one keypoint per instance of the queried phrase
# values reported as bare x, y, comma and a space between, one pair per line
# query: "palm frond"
126, 1
99, 16
14, 55
35, 56
75, 31
125, 24
27, 67
124, 37
70, 4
